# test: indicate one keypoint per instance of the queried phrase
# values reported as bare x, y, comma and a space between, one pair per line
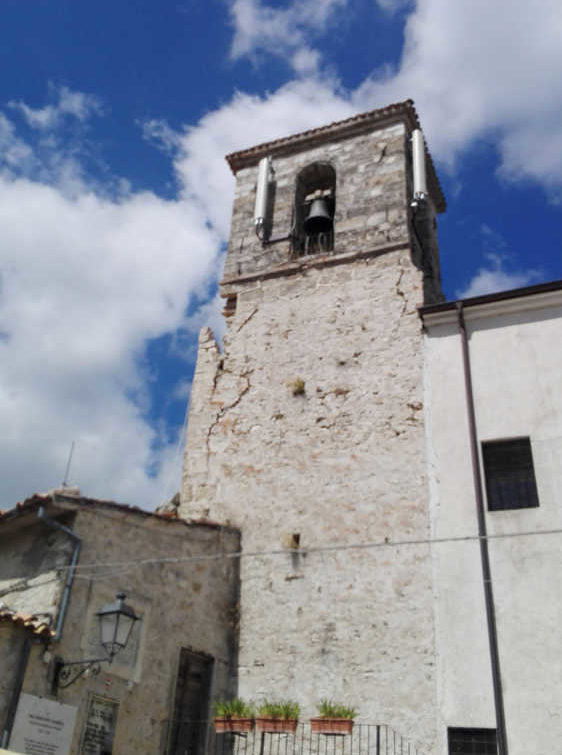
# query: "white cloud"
244, 121
79, 105
306, 62
210, 314
88, 276
84, 283
499, 274
494, 277
283, 32
85, 280
50, 154
477, 68
160, 134
89, 272
391, 6
14, 152
182, 390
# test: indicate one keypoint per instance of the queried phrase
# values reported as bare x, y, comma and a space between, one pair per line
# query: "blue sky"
115, 197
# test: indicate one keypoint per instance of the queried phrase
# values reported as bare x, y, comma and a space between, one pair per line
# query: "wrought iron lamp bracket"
116, 622
66, 674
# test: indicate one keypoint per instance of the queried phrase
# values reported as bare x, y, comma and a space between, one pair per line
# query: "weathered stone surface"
341, 463
182, 604
11, 646
30, 580
311, 424
370, 199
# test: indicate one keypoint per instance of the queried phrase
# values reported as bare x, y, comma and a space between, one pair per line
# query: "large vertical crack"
221, 413
401, 293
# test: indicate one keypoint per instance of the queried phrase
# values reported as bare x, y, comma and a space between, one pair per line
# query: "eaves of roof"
400, 111
518, 296
33, 503
31, 623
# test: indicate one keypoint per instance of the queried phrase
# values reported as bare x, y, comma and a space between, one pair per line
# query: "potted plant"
278, 716
233, 715
334, 718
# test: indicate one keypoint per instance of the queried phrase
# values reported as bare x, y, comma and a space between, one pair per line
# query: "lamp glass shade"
116, 622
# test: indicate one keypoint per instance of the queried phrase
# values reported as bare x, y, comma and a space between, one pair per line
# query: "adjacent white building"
514, 343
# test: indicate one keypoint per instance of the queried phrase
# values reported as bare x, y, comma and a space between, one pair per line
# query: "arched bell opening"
315, 204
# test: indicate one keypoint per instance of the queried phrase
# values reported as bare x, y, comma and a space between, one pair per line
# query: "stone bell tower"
308, 431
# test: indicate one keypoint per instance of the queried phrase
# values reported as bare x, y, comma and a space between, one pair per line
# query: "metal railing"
200, 738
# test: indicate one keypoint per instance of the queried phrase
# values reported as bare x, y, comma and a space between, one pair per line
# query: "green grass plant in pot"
276, 716
234, 715
333, 718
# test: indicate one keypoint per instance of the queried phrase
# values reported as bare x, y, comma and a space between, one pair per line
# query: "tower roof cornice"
404, 112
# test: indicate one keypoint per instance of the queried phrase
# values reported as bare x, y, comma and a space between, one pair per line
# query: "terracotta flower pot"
331, 725
273, 725
226, 723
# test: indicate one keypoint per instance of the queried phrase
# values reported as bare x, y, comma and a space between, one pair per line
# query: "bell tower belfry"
308, 431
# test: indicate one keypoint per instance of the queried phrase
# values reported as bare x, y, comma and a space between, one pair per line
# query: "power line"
119, 567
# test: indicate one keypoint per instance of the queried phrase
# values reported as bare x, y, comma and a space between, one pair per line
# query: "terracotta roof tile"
34, 624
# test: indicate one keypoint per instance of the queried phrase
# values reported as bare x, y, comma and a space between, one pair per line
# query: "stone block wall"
31, 582
371, 201
311, 423
308, 430
182, 604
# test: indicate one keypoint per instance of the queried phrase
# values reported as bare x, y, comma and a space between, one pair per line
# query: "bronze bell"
319, 219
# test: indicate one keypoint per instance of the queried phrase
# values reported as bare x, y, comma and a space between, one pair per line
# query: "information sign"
42, 726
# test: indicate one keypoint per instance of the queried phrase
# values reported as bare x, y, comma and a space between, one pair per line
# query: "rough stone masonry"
308, 431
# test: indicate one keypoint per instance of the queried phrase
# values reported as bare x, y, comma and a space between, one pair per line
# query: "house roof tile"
32, 623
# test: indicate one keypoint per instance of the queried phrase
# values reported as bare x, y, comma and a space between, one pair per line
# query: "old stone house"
182, 645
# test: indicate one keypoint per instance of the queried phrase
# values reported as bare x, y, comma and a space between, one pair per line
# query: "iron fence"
200, 738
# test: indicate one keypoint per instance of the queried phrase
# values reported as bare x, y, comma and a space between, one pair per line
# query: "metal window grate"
472, 742
510, 476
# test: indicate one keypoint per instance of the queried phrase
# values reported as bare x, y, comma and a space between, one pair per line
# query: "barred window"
510, 476
472, 742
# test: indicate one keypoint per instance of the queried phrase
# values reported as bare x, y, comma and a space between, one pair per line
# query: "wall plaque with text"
100, 726
42, 727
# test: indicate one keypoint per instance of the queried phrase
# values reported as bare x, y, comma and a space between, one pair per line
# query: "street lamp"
116, 623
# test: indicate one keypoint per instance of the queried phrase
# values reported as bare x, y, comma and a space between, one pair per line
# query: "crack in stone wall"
220, 415
247, 319
341, 462
313, 425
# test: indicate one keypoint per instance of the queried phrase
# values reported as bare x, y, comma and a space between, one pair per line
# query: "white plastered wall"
516, 365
